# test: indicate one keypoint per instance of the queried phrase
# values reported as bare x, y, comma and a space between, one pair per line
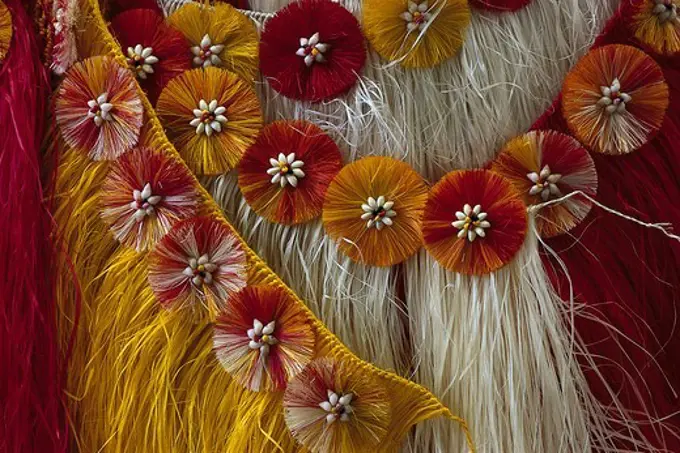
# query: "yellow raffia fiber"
443, 37
226, 26
662, 37
5, 30
145, 379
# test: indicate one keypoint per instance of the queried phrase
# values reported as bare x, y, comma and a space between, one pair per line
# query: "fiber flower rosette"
98, 110
144, 194
475, 221
373, 210
544, 166
155, 52
218, 36
284, 175
615, 99
312, 50
334, 407
263, 338
211, 116
416, 33
200, 261
656, 24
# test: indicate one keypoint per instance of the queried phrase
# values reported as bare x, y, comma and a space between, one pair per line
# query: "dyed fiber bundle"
632, 333
32, 363
500, 5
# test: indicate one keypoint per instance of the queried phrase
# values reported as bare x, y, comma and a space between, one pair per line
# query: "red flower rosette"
199, 261
285, 173
263, 338
474, 222
312, 50
544, 166
155, 51
98, 110
144, 194
334, 406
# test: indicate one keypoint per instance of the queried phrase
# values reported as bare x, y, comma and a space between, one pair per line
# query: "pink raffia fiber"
32, 417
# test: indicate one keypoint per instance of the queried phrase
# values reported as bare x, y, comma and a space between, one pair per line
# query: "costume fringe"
145, 378
415, 116
31, 400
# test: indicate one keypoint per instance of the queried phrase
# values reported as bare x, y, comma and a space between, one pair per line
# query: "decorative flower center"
209, 118
312, 50
613, 100
207, 54
417, 16
666, 11
262, 337
200, 270
545, 183
100, 110
140, 60
286, 170
338, 407
143, 202
378, 213
471, 222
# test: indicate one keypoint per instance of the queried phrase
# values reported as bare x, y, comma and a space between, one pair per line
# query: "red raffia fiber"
500, 5
628, 275
32, 417
287, 72
148, 28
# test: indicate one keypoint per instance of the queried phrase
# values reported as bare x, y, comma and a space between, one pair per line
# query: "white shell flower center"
144, 202
100, 109
666, 11
140, 59
206, 53
262, 337
312, 50
378, 212
471, 222
208, 117
545, 183
58, 19
613, 100
286, 170
200, 270
337, 406
417, 16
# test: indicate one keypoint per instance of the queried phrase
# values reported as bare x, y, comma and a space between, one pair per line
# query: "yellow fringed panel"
145, 379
